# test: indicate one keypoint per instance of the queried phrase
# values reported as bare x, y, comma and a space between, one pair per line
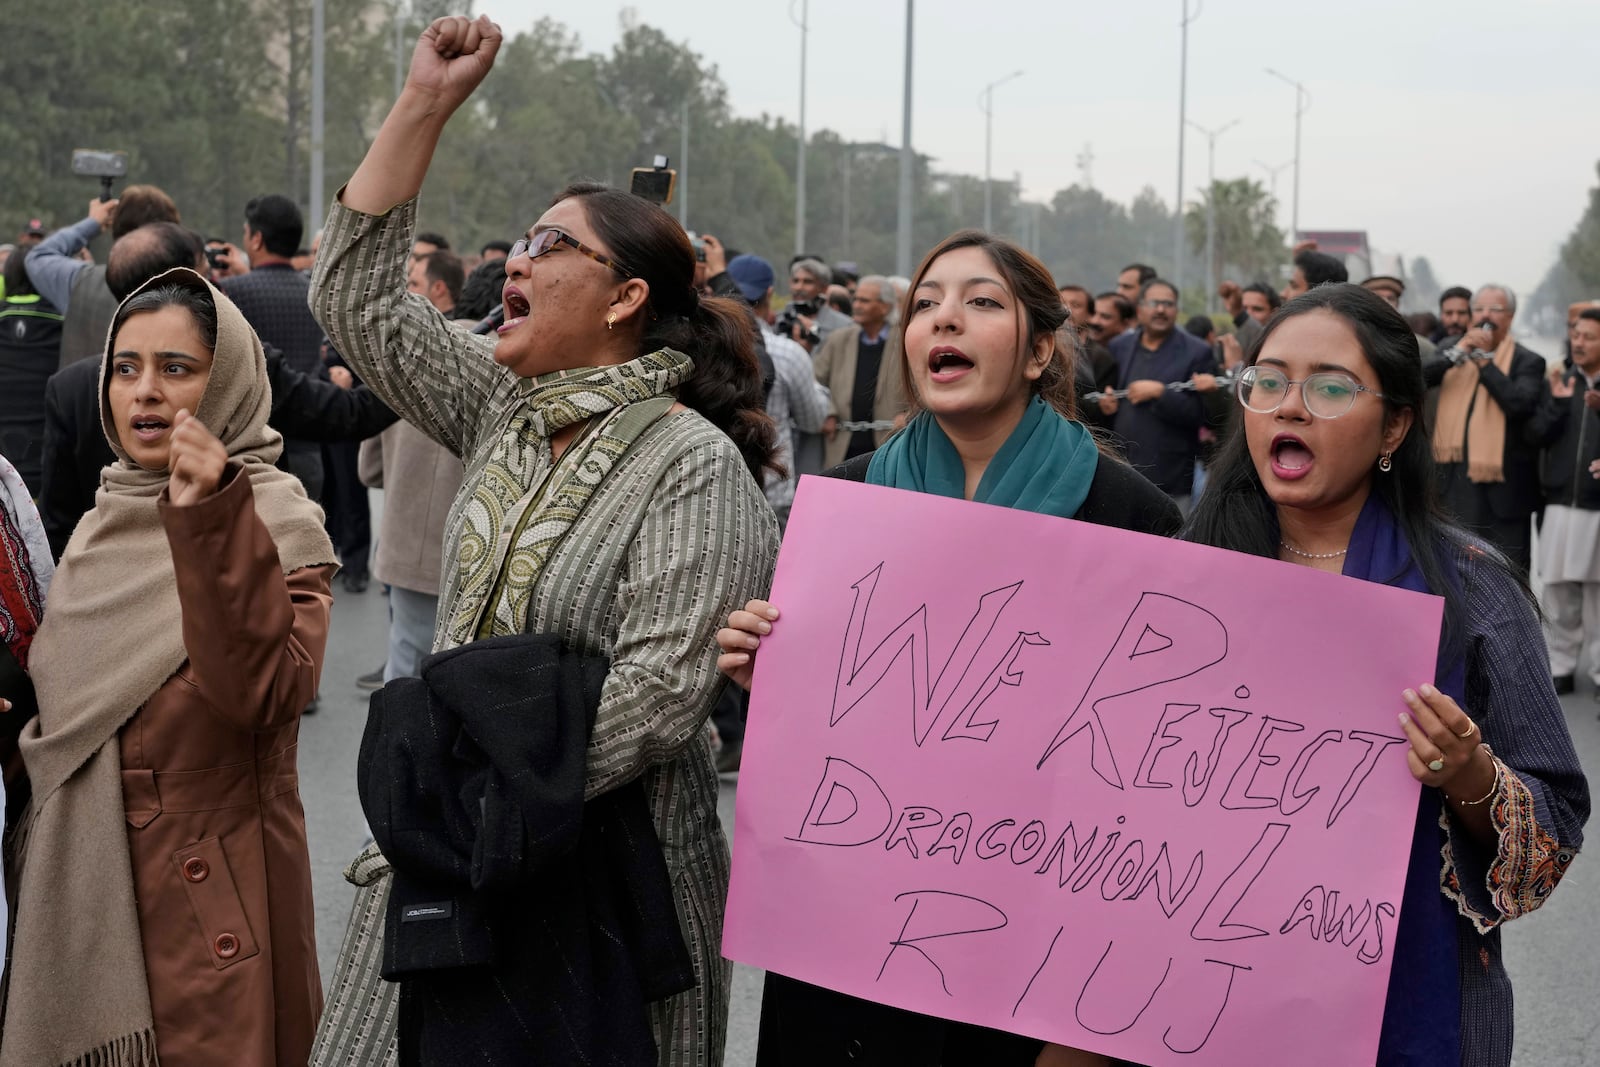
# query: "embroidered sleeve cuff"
1520, 874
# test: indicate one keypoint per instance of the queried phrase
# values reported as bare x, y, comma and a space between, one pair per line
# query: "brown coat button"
196, 869
227, 946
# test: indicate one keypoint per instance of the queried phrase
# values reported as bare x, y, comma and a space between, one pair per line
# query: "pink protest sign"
1121, 793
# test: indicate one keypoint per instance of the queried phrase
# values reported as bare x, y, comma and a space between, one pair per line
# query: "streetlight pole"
683, 166
318, 107
988, 145
1211, 207
1274, 171
1183, 119
1302, 104
848, 161
902, 251
800, 164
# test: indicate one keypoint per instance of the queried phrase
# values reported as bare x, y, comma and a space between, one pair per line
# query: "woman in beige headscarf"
164, 908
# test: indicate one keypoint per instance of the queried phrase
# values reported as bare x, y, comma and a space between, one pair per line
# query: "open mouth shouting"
517, 308
1291, 458
947, 363
148, 428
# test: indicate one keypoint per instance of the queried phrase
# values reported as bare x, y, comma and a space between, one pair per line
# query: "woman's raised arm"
451, 58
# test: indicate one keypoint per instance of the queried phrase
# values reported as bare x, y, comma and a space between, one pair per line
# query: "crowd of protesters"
588, 441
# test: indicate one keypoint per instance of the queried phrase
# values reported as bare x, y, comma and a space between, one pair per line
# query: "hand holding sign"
740, 639
1083, 788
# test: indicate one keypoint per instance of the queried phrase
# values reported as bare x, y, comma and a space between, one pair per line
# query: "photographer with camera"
808, 319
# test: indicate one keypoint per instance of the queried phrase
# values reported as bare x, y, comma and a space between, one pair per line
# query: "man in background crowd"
1311, 269
1114, 315
275, 300
1160, 427
1455, 316
860, 365
1489, 470
1567, 425
77, 288
1132, 279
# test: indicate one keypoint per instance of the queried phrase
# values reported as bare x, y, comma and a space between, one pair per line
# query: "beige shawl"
111, 636
1480, 437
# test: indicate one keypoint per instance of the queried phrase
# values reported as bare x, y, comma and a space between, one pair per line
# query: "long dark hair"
714, 332
1030, 281
1235, 512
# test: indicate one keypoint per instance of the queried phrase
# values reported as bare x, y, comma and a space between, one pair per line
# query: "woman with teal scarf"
994, 423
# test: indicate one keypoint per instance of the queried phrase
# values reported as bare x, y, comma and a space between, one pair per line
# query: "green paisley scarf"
523, 503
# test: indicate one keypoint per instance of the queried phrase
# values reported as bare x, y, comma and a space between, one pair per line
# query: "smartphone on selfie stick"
654, 183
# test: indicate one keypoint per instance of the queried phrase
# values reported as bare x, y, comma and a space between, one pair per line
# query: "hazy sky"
1463, 130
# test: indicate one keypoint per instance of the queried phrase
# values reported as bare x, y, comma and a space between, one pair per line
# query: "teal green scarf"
1046, 465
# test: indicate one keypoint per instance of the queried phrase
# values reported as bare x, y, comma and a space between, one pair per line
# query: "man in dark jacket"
1160, 427
275, 300
1489, 470
1567, 424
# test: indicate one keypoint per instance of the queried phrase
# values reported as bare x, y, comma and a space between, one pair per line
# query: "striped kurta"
674, 539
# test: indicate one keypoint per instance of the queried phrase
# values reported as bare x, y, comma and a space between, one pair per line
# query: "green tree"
1248, 241
1422, 287
1581, 253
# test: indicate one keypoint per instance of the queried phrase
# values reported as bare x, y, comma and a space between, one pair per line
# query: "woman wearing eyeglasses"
1334, 470
613, 439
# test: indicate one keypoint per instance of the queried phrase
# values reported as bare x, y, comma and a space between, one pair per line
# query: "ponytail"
716, 333
726, 386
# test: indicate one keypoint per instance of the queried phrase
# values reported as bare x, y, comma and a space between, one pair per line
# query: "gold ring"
1436, 766
1471, 729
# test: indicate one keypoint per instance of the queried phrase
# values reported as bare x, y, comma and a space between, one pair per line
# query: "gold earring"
611, 320
1385, 464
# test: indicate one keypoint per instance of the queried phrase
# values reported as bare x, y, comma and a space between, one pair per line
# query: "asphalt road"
1553, 955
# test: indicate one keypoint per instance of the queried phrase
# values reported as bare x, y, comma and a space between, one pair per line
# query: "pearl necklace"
1314, 555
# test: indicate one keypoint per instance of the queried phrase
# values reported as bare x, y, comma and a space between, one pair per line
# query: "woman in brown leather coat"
165, 903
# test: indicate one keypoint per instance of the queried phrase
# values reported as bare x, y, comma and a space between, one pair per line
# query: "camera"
99, 163
218, 258
791, 314
699, 247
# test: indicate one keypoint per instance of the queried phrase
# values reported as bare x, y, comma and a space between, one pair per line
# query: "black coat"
1161, 437
524, 925
1569, 433
803, 1025
75, 448
1518, 394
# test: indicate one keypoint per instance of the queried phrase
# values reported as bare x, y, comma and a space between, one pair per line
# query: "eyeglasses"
1159, 305
1489, 309
1326, 394
545, 240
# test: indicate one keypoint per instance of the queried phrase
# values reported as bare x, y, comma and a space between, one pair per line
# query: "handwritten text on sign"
1121, 793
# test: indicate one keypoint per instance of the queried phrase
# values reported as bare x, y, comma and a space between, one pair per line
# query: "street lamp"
1274, 171
800, 164
318, 107
987, 103
1302, 104
902, 241
1183, 119
1211, 206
